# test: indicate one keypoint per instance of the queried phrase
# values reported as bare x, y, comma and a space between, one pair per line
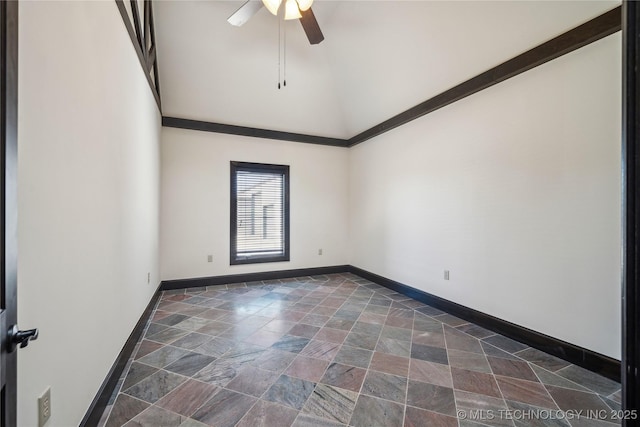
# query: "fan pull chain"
285, 54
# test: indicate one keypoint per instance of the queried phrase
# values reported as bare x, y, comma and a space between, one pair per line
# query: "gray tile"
457, 340
267, 414
219, 373
321, 350
189, 364
430, 338
426, 324
615, 406
192, 324
172, 320
188, 397
431, 397
275, 360
587, 422
470, 361
430, 311
243, 353
491, 350
192, 341
365, 341
291, 343
575, 400
525, 391
430, 354
396, 333
340, 323
549, 378
224, 409
290, 391
371, 411
450, 320
415, 417
137, 372
590, 380
124, 409
536, 421
215, 347
542, 359
304, 420
155, 416
343, 376
506, 344
395, 347
385, 386
169, 335
429, 372
512, 368
367, 328
253, 381
163, 356
152, 388
478, 407
154, 328
475, 382
190, 422
475, 330
353, 356
332, 403
349, 315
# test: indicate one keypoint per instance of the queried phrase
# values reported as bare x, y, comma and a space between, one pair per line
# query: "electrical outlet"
209, 258
148, 277
44, 407
319, 251
446, 275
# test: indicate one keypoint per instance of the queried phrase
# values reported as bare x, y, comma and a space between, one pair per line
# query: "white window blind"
261, 212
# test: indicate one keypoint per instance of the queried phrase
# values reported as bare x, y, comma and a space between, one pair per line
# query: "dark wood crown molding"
174, 122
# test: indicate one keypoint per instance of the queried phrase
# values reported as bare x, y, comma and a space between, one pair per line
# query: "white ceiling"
378, 58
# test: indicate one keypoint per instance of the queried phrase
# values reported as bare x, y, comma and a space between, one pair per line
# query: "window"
259, 213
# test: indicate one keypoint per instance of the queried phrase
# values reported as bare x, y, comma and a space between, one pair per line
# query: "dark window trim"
257, 167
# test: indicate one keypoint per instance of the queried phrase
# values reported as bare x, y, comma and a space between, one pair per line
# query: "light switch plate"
44, 407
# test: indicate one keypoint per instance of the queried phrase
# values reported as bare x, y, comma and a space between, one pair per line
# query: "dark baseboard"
167, 285
100, 402
595, 362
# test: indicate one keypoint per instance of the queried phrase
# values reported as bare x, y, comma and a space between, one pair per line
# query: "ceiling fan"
293, 9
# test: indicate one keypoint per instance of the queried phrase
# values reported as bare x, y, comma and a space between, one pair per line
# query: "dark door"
10, 337
631, 211
8, 204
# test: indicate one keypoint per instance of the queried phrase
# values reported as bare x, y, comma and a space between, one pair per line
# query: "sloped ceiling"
378, 58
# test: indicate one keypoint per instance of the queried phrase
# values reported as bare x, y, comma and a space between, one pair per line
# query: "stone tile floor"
339, 350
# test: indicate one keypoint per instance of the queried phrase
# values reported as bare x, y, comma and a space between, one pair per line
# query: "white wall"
88, 182
516, 191
195, 202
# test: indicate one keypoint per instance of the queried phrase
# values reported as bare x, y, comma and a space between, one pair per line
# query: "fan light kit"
292, 7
